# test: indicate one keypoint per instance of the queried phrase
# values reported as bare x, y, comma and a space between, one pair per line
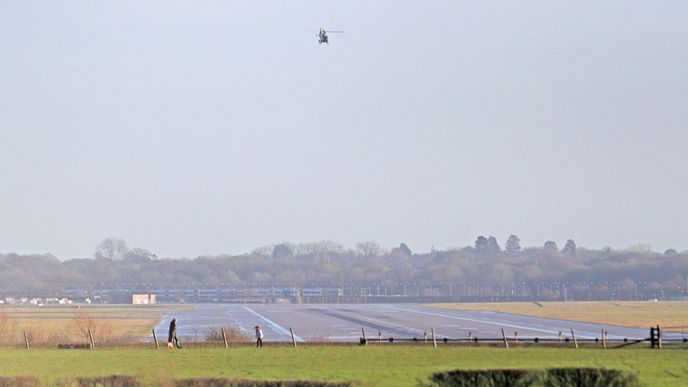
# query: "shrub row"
131, 381
554, 377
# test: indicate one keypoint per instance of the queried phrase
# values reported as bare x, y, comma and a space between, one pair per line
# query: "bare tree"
368, 249
112, 248
640, 248
319, 247
84, 321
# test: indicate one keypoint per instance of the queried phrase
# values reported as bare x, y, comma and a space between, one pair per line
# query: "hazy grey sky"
202, 127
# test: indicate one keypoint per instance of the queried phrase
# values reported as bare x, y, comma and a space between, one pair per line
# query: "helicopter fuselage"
322, 37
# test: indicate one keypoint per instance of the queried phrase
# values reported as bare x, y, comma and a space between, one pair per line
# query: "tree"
481, 243
316, 248
86, 321
551, 246
640, 248
230, 277
492, 245
112, 248
513, 244
670, 252
281, 251
570, 248
140, 254
402, 250
368, 249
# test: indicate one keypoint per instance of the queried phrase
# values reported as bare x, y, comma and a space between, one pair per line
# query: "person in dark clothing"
172, 335
259, 337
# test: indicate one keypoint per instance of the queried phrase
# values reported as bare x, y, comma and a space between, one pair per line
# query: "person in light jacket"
259, 337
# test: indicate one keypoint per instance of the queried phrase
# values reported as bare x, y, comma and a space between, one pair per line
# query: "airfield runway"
343, 322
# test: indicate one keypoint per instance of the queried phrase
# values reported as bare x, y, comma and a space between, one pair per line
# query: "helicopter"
322, 35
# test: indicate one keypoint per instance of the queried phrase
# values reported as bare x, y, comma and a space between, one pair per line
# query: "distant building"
143, 299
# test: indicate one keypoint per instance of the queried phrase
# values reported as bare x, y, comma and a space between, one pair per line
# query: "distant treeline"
483, 270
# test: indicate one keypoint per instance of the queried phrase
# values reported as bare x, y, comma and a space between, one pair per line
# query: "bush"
102, 381
555, 377
100, 328
18, 381
220, 382
590, 377
487, 378
234, 335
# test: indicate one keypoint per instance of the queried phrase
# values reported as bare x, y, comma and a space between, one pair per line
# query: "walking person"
259, 337
172, 339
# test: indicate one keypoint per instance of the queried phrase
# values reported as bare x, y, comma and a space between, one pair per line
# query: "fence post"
26, 340
365, 341
606, 338
506, 342
425, 336
470, 337
293, 340
659, 337
561, 337
224, 337
516, 337
434, 342
155, 339
379, 336
90, 338
575, 342
604, 344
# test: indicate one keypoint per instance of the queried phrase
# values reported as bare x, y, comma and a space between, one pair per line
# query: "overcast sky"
205, 127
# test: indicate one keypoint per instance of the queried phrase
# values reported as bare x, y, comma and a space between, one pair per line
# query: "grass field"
64, 322
389, 366
625, 313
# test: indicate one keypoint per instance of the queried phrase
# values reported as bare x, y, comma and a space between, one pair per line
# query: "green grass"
396, 365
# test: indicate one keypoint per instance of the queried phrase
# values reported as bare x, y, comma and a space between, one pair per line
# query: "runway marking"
384, 322
485, 322
236, 322
274, 325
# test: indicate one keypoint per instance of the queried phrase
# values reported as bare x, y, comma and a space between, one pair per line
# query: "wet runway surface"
343, 322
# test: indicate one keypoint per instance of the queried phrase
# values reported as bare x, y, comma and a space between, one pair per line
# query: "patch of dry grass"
637, 314
50, 325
